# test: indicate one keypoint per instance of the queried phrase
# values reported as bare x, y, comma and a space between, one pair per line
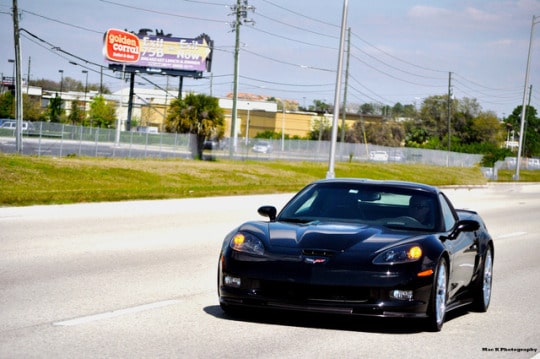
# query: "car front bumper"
327, 290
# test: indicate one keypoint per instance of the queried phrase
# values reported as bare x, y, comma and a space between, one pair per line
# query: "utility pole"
523, 107
240, 12
28, 77
449, 114
525, 122
18, 82
344, 114
332, 160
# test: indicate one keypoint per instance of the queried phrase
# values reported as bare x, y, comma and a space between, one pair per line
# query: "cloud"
452, 17
530, 6
428, 12
474, 14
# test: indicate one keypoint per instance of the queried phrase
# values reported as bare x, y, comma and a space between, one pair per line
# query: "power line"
293, 40
62, 22
288, 63
300, 14
162, 12
286, 84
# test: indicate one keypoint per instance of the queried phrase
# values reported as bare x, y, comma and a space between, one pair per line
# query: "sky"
400, 50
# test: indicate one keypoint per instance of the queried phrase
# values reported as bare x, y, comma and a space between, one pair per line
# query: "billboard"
154, 53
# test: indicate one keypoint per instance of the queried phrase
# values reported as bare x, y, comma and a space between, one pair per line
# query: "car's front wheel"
482, 291
439, 296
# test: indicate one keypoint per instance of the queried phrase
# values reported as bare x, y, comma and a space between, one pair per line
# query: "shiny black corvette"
360, 247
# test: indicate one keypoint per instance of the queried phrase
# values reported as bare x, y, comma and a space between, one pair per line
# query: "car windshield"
389, 206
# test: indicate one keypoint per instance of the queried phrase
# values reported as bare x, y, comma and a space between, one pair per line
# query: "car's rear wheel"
439, 296
482, 291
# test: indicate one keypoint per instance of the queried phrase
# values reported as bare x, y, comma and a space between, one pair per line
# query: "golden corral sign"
152, 51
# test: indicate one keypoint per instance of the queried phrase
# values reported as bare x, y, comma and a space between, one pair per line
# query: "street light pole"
61, 82
11, 61
523, 107
85, 91
85, 85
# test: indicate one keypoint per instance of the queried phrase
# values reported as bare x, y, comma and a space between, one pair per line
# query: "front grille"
295, 292
318, 252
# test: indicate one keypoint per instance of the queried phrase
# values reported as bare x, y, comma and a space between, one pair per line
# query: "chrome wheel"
437, 305
488, 275
482, 291
440, 294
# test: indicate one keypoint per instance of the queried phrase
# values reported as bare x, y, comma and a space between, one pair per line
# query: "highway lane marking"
509, 235
115, 313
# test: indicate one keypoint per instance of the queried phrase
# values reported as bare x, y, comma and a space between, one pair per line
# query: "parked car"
211, 145
2, 120
533, 163
262, 147
396, 156
26, 126
360, 247
147, 129
511, 162
378, 156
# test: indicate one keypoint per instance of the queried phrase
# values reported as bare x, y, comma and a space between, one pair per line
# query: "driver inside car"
420, 208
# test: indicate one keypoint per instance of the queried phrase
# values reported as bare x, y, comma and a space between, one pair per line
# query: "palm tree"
199, 115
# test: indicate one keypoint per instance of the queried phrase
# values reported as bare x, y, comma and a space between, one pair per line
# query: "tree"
55, 112
68, 84
388, 133
32, 110
434, 116
102, 113
31, 107
486, 128
76, 115
319, 106
7, 105
531, 140
367, 109
321, 129
409, 111
199, 115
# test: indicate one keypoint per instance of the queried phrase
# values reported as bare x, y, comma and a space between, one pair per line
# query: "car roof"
386, 183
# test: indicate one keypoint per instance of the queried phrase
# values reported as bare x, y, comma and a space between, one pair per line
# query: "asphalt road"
138, 280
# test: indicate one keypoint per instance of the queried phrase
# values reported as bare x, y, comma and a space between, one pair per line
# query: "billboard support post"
130, 101
180, 86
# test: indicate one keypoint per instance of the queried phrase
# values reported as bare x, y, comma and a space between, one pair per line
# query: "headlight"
247, 243
401, 254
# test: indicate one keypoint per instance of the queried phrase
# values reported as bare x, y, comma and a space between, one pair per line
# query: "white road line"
508, 235
116, 313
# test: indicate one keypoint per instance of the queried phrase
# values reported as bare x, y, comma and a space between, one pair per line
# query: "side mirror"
465, 225
268, 211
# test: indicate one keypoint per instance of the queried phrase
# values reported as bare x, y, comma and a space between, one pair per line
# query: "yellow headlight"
414, 252
238, 239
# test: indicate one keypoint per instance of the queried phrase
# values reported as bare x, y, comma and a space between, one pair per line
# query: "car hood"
337, 237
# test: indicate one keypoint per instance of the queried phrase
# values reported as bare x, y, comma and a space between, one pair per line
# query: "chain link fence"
54, 139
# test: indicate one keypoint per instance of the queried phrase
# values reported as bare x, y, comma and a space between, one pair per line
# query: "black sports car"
360, 247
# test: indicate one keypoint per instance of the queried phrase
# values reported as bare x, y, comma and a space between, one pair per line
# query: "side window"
447, 213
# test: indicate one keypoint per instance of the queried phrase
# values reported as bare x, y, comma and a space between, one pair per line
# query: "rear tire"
482, 290
439, 296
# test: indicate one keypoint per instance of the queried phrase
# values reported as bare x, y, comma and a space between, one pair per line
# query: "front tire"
482, 291
439, 296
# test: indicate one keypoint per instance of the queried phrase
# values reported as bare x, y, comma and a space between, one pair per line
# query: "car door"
462, 250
